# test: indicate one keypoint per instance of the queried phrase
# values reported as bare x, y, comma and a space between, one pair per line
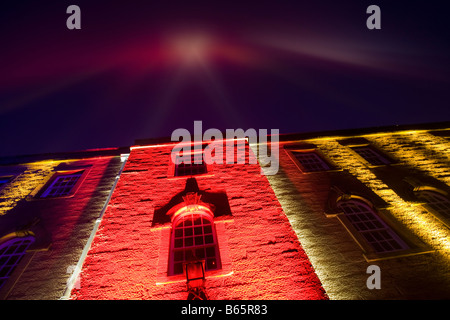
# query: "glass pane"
189, 241
189, 255
200, 253
199, 241
207, 229
198, 230
178, 233
178, 256
210, 252
4, 272
188, 232
178, 268
178, 243
211, 264
209, 239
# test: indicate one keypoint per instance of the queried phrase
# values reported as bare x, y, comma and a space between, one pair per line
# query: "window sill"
372, 257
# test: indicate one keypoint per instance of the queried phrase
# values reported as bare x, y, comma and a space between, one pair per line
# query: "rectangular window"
310, 161
371, 155
62, 184
196, 165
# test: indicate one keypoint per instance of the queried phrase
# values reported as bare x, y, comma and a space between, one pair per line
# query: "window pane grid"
193, 238
310, 161
371, 155
11, 253
436, 201
62, 185
197, 165
377, 234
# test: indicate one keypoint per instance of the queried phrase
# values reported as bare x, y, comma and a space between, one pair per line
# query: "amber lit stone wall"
335, 255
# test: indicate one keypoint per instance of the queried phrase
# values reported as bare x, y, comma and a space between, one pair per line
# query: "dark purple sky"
296, 66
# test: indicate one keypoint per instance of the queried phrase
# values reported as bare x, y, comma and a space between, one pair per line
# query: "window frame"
381, 156
55, 176
379, 224
192, 210
192, 164
322, 159
443, 217
414, 245
13, 238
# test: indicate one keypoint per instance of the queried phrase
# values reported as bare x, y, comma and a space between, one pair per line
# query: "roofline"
102, 152
70, 155
329, 133
366, 131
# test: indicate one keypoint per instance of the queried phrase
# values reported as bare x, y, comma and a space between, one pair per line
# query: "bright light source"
190, 48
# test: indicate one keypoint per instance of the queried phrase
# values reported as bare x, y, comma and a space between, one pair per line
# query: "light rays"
373, 54
192, 56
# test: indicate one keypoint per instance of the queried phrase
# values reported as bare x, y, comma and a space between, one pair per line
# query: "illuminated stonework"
260, 256
117, 234
60, 225
340, 263
34, 174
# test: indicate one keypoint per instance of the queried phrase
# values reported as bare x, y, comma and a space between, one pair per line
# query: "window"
196, 166
375, 231
310, 161
436, 201
62, 184
371, 155
5, 180
11, 252
193, 238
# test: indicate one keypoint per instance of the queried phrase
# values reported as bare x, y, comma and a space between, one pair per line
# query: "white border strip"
76, 272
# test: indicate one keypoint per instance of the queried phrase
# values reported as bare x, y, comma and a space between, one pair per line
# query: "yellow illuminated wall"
33, 176
412, 149
336, 257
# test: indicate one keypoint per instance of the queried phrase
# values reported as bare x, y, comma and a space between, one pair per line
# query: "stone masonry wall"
334, 254
61, 225
260, 253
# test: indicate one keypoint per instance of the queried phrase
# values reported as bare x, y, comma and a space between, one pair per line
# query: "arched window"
12, 249
372, 228
193, 238
436, 201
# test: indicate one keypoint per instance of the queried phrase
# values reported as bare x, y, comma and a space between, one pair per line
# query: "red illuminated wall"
261, 256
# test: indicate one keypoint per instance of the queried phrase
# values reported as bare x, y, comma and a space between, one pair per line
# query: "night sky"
140, 69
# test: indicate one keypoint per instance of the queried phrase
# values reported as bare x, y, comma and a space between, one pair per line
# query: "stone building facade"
251, 251
126, 223
49, 205
371, 197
